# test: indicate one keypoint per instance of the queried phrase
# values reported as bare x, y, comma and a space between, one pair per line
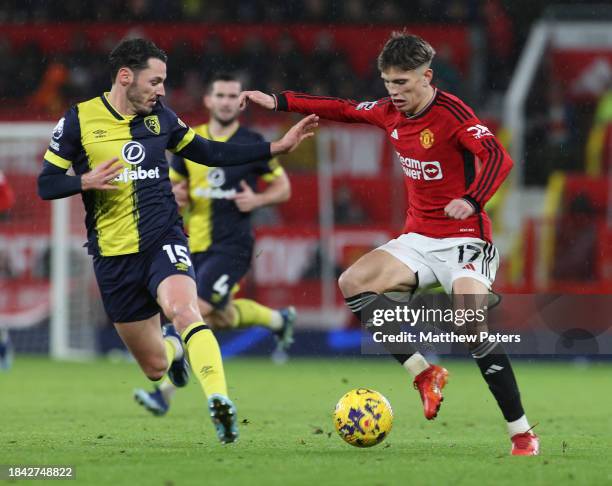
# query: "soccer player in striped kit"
116, 145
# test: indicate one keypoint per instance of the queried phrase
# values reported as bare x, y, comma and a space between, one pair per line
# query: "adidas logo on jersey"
139, 173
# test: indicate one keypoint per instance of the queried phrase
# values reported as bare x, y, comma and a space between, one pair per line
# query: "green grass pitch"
84, 415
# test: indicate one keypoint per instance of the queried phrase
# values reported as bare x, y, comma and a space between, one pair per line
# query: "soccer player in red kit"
447, 235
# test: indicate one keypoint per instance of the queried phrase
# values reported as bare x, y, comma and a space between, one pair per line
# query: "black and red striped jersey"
445, 151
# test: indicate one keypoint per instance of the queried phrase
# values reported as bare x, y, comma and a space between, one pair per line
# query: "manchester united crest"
427, 138
152, 124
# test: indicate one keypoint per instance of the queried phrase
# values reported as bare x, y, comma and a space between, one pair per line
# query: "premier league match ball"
363, 417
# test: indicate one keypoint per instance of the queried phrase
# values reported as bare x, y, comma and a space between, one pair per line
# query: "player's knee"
183, 314
155, 368
352, 281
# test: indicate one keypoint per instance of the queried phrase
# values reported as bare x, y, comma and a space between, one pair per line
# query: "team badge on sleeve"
152, 124
427, 138
479, 131
366, 105
58, 131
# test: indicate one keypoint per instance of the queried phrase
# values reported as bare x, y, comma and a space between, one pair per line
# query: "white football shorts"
444, 260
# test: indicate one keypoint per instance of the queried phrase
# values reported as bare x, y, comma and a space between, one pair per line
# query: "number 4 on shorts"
220, 287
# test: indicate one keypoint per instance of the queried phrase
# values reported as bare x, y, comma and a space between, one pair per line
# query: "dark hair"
405, 51
134, 54
227, 77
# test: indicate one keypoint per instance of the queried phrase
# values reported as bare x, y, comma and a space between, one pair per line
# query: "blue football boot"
284, 336
223, 414
153, 401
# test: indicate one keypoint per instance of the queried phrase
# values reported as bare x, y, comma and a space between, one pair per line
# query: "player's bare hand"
181, 193
246, 200
459, 209
296, 135
262, 99
101, 176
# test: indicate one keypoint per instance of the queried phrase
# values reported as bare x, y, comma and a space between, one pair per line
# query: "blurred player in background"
220, 202
7, 199
447, 234
116, 145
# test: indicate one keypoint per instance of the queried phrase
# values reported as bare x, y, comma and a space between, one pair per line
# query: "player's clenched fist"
459, 209
101, 176
246, 200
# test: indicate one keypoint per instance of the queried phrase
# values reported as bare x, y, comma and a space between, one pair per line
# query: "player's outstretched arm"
54, 183
220, 154
336, 109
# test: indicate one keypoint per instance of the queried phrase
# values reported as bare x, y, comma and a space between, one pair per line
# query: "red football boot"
525, 444
430, 383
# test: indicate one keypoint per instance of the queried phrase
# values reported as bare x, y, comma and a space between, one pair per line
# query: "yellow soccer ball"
363, 417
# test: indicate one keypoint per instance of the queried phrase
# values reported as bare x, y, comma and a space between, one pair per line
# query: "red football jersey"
437, 147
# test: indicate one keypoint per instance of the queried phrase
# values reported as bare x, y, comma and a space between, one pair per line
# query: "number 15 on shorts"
177, 254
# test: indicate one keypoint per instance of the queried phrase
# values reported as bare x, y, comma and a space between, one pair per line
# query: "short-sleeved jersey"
445, 152
215, 222
134, 216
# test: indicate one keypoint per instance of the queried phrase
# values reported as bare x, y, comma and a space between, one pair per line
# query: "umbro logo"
493, 369
206, 370
183, 267
394, 134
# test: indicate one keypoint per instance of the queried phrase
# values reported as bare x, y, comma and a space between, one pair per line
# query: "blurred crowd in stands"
49, 82
43, 82
244, 11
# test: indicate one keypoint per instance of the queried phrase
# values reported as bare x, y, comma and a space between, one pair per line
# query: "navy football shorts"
217, 274
128, 283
